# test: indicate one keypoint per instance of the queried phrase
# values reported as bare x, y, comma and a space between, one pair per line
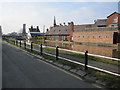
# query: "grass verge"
83, 56
110, 81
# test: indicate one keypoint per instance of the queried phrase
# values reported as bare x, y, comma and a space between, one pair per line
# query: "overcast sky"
16, 13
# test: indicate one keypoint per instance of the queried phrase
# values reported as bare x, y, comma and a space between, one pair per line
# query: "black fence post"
31, 46
20, 43
57, 53
86, 59
41, 49
16, 42
12, 41
7, 40
25, 44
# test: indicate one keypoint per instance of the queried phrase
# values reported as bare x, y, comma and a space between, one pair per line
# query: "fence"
31, 47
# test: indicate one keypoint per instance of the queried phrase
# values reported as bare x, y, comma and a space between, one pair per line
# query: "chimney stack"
31, 27
60, 24
37, 28
68, 23
24, 28
64, 23
47, 29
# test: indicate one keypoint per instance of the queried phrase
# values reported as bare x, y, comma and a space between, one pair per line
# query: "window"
115, 19
112, 25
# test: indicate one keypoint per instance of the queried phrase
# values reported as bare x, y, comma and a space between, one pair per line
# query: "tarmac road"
20, 70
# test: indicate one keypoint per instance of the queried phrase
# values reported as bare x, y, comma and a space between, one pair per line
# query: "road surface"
20, 70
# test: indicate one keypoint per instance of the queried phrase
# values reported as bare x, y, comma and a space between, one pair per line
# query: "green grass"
12, 38
111, 81
49, 49
82, 56
73, 54
103, 60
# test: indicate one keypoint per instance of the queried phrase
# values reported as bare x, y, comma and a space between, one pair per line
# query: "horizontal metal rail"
35, 44
84, 53
116, 59
99, 69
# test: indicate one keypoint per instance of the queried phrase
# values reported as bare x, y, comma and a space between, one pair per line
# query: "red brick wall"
110, 19
71, 31
95, 50
69, 37
94, 36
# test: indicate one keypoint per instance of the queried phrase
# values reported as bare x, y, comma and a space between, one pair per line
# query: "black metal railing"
31, 47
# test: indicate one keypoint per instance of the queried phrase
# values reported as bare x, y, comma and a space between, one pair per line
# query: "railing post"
86, 59
40, 49
57, 53
31, 46
25, 44
16, 42
20, 43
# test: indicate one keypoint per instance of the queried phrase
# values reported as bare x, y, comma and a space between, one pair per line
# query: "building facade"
102, 31
95, 35
34, 32
60, 32
113, 20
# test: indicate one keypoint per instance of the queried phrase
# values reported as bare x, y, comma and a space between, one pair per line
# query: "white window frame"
115, 19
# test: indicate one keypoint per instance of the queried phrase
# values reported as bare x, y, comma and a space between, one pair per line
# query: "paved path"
23, 71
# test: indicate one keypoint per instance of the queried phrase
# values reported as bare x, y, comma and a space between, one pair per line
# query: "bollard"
86, 59
57, 53
20, 43
25, 44
40, 49
31, 46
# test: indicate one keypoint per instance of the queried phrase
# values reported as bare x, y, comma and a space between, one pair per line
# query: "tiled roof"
112, 14
83, 26
59, 30
34, 30
100, 22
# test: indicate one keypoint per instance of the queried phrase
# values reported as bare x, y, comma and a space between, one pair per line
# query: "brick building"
102, 31
100, 23
113, 20
34, 32
60, 32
